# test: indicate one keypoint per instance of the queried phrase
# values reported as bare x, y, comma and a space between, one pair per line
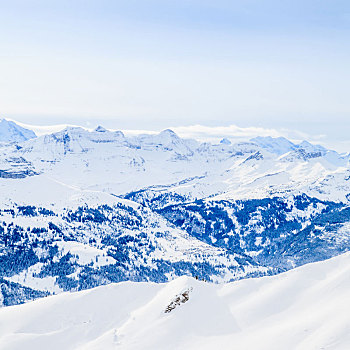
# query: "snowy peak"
310, 148
307, 144
225, 141
11, 132
303, 151
278, 145
168, 133
100, 129
76, 139
167, 140
306, 151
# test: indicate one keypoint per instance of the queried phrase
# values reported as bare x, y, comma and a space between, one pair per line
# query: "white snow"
28, 278
12, 132
89, 163
306, 308
86, 254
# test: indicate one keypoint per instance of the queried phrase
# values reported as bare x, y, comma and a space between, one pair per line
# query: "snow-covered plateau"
305, 308
80, 209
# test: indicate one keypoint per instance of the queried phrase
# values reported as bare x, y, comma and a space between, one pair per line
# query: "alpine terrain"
81, 209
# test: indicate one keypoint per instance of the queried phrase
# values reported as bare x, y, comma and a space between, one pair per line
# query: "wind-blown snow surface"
305, 308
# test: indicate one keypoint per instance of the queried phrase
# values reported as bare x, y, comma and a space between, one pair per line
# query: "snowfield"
305, 308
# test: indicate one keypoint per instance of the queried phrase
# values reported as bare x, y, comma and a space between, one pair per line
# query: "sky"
211, 65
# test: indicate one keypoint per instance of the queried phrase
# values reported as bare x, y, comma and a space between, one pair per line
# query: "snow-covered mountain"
110, 162
278, 145
83, 208
306, 308
11, 132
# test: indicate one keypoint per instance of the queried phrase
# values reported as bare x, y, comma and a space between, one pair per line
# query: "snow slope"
12, 132
305, 308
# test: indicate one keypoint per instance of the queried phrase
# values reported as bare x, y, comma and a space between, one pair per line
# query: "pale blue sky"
154, 64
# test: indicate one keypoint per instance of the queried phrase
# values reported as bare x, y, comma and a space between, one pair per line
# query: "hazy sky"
154, 64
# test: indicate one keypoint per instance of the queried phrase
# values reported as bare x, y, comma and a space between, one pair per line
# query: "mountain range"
80, 208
